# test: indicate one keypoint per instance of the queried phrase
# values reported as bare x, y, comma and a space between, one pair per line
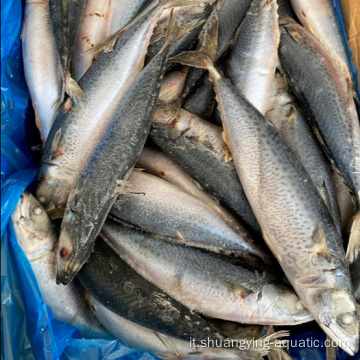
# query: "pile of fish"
200, 172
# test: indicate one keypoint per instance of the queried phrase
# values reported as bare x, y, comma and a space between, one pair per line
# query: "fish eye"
37, 209
347, 319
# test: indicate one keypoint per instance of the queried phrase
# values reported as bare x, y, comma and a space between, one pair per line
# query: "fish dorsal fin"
320, 245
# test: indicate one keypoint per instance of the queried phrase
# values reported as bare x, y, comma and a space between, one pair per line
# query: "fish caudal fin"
205, 57
353, 248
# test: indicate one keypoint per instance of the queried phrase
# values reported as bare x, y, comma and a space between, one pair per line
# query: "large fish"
106, 81
116, 285
286, 115
322, 88
42, 65
205, 284
167, 347
252, 60
38, 239
66, 17
159, 207
111, 162
294, 219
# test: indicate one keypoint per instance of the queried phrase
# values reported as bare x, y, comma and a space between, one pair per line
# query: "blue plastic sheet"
29, 329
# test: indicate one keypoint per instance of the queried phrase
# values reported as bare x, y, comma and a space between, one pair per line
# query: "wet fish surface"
116, 285
284, 201
159, 207
324, 92
205, 284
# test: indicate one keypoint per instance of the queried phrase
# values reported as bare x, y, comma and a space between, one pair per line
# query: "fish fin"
55, 143
107, 45
291, 116
225, 136
181, 236
22, 35
353, 248
79, 189
331, 350
204, 57
320, 247
271, 247
314, 280
73, 89
175, 33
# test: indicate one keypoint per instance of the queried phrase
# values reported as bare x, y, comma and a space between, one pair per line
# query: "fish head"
329, 297
282, 306
53, 192
74, 249
32, 226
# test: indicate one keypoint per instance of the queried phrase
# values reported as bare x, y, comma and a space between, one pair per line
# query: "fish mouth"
345, 341
65, 273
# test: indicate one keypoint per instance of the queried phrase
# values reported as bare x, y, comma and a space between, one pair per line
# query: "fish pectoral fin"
353, 248
73, 89
124, 187
313, 280
320, 247
55, 145
168, 344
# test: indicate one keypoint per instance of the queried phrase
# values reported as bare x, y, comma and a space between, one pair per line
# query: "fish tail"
205, 57
73, 89
353, 248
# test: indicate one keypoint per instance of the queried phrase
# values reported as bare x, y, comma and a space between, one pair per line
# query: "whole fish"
205, 284
317, 83
93, 30
321, 19
159, 207
286, 115
66, 16
294, 219
167, 347
252, 60
111, 162
106, 81
116, 285
38, 239
198, 147
41, 65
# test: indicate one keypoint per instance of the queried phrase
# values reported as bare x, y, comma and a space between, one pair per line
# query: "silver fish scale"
281, 193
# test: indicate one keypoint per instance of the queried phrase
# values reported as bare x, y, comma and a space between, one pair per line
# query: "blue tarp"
29, 330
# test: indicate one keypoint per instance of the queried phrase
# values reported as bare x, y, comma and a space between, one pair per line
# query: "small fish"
294, 219
205, 284
38, 239
317, 80
42, 65
161, 208
252, 60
